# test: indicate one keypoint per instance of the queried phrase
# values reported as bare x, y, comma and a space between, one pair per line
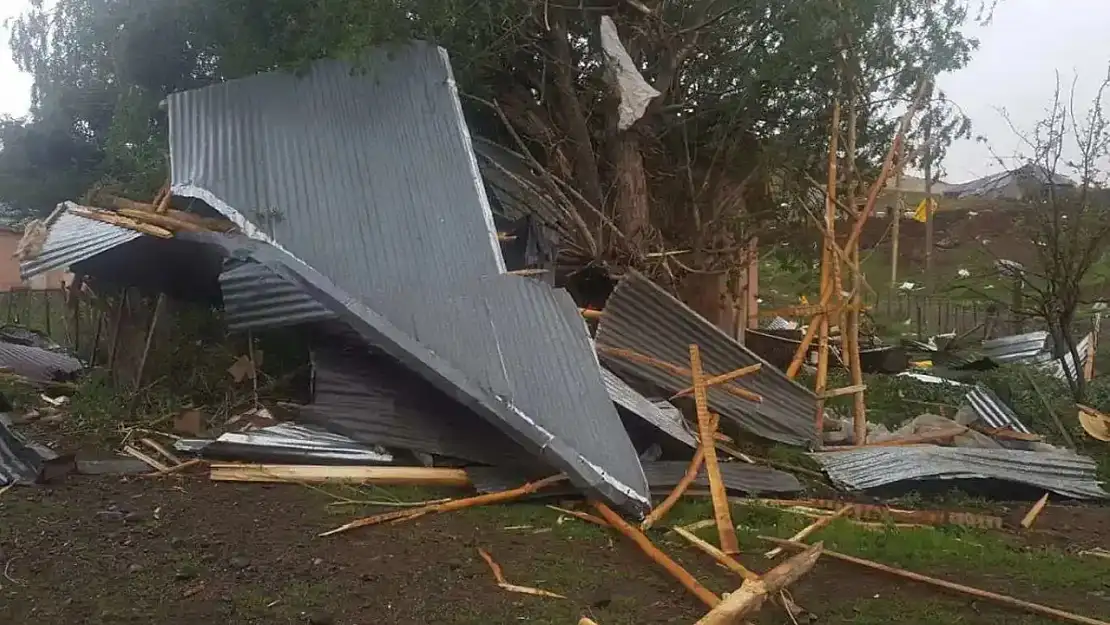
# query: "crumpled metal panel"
642, 317
71, 238
366, 397
669, 422
993, 410
20, 461
1014, 348
367, 183
1055, 368
1062, 472
36, 363
286, 443
256, 298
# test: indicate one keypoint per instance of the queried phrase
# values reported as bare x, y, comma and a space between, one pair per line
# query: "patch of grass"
886, 610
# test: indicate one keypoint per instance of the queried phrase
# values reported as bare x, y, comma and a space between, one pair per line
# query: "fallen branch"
449, 506
300, 474
940, 583
1034, 512
723, 558
500, 577
751, 595
811, 528
660, 558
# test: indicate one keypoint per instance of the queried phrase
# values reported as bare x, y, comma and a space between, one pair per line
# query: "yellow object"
1096, 424
920, 214
803, 300
922, 364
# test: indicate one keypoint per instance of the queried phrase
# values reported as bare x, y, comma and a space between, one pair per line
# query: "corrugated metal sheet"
1061, 472
367, 398
1055, 368
71, 238
37, 364
286, 443
368, 183
669, 422
1014, 348
518, 191
256, 298
993, 410
643, 317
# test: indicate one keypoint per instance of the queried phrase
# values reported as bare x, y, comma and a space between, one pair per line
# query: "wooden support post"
724, 378
721, 511
752, 594
158, 304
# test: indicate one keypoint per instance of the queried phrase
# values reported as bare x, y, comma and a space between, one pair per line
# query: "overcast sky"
1021, 50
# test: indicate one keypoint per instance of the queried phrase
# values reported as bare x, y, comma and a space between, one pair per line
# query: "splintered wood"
752, 594
505, 585
721, 511
448, 506
947, 585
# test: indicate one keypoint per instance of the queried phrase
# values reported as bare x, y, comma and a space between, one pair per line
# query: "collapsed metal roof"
367, 188
71, 239
1062, 472
642, 317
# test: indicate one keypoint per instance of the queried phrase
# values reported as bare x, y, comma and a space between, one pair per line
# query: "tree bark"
585, 160
707, 294
632, 204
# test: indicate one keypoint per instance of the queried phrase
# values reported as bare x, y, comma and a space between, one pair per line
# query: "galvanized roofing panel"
366, 397
19, 462
286, 443
1014, 348
1063, 472
642, 317
669, 422
256, 298
71, 238
993, 410
36, 363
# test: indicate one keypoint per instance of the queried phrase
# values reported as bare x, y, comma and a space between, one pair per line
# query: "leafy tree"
738, 130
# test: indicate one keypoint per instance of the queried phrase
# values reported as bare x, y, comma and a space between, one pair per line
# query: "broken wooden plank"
917, 439
585, 516
847, 390
1031, 517
315, 474
808, 530
449, 506
947, 585
721, 557
865, 511
673, 568
157, 447
672, 498
178, 468
751, 595
135, 453
721, 507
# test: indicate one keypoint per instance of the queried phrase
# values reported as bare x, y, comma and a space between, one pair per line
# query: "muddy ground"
186, 550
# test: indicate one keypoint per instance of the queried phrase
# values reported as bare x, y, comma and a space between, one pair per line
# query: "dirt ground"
186, 550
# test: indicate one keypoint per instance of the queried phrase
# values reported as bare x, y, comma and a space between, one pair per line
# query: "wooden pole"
673, 568
721, 510
721, 557
809, 530
852, 314
688, 478
940, 583
158, 304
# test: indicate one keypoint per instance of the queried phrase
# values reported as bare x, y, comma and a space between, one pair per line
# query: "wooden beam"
675, 370
752, 594
947, 585
721, 510
317, 474
724, 378
807, 531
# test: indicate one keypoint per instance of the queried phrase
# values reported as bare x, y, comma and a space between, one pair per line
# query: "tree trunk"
708, 295
1076, 382
632, 201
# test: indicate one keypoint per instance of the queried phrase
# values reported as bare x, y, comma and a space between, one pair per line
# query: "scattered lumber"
135, 453
751, 595
947, 585
448, 506
672, 498
721, 557
721, 507
179, 467
316, 474
1031, 517
158, 448
675, 370
810, 529
870, 512
584, 516
724, 378
499, 575
673, 568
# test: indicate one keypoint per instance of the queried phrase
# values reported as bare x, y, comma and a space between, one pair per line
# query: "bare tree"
1063, 210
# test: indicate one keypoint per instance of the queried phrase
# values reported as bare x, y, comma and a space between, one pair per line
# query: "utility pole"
928, 131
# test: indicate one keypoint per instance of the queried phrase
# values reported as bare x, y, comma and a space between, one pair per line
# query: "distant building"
1029, 181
